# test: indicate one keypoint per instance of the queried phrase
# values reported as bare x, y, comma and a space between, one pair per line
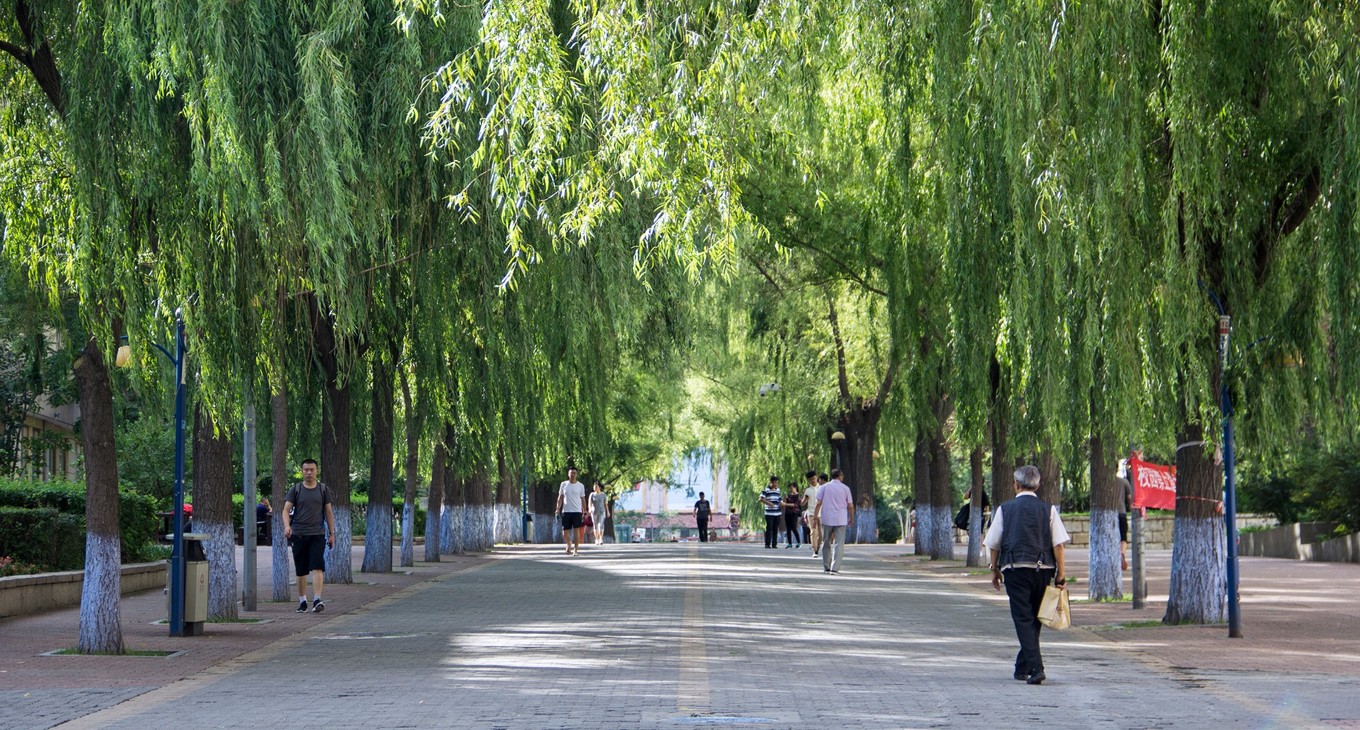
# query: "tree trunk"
335, 435
1106, 579
480, 497
856, 453
1003, 471
507, 516
212, 513
545, 503
1050, 476
920, 481
378, 521
451, 519
941, 496
101, 629
408, 509
278, 477
434, 504
1198, 591
977, 482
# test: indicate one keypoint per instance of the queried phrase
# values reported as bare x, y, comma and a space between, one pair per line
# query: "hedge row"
358, 511
136, 512
43, 536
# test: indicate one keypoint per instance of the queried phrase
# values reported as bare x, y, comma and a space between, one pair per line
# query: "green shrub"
136, 511
10, 566
43, 536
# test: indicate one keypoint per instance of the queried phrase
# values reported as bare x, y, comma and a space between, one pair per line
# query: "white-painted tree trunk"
447, 539
941, 533
459, 528
866, 525
408, 535
101, 629
508, 524
281, 558
339, 568
377, 541
1198, 592
925, 535
1106, 578
220, 549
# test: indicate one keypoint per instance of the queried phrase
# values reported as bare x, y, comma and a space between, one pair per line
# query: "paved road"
684, 635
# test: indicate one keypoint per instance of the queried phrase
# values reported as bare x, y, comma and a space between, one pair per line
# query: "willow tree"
1188, 148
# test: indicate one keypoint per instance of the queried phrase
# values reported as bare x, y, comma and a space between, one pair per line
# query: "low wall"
25, 594
1300, 541
1158, 529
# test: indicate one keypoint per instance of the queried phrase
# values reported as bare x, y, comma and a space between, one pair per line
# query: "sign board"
1154, 485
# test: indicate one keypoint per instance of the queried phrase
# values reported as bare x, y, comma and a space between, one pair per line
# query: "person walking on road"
835, 510
702, 511
599, 511
813, 535
734, 522
793, 510
571, 505
1026, 543
770, 498
306, 507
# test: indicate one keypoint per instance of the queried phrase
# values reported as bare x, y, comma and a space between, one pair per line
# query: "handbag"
1055, 611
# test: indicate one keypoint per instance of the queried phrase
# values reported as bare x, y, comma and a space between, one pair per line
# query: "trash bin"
195, 584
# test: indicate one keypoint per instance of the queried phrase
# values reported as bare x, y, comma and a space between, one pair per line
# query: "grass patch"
130, 652
1121, 599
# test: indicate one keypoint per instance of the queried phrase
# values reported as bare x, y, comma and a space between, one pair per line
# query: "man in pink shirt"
835, 509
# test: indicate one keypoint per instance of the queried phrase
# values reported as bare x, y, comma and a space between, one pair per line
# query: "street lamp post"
177, 551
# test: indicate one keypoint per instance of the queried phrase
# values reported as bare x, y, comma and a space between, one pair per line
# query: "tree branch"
19, 54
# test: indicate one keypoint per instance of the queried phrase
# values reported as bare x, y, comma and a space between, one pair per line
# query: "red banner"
1154, 485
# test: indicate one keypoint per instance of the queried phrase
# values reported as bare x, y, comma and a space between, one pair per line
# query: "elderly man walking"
835, 509
1026, 543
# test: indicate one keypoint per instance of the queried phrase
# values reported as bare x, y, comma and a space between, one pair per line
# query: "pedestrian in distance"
702, 511
1026, 547
793, 511
770, 497
812, 525
734, 522
571, 506
835, 510
599, 511
307, 512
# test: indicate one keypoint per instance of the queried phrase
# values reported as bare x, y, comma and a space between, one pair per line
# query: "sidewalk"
726, 633
1296, 616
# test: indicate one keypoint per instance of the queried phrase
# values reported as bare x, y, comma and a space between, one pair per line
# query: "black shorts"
309, 553
1123, 527
571, 520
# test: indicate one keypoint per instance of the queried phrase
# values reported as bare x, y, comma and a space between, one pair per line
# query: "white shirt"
1055, 526
811, 494
572, 494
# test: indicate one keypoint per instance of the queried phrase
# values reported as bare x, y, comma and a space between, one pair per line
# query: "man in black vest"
1026, 543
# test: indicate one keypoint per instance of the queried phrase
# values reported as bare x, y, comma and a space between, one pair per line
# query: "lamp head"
123, 356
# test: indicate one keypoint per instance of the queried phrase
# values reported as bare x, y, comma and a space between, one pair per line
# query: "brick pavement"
670, 635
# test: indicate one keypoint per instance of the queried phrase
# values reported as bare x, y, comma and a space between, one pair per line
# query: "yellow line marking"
692, 694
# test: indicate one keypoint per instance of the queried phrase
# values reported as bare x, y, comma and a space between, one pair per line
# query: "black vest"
1026, 539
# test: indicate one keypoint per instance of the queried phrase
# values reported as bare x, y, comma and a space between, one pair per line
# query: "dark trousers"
771, 531
1025, 588
703, 529
791, 530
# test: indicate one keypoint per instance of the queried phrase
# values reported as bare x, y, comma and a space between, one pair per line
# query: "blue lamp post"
176, 552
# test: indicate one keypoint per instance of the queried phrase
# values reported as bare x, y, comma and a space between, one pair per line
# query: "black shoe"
826, 570
1036, 678
1021, 675
302, 606
318, 606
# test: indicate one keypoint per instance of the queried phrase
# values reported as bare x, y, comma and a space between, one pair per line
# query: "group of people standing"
818, 516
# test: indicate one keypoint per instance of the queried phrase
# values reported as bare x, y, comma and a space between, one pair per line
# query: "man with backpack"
306, 507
